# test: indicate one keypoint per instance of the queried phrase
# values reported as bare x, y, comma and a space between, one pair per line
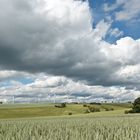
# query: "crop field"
47, 122
72, 128
38, 110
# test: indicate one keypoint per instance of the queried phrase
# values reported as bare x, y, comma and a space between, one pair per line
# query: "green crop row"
102, 128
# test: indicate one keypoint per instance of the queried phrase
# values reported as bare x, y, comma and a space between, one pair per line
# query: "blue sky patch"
128, 27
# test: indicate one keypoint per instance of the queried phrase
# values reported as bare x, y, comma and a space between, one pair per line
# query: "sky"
69, 51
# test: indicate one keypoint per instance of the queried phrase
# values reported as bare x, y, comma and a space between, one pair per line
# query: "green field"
39, 110
46, 122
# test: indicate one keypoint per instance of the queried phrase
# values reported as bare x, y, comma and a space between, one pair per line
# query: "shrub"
93, 109
63, 105
132, 111
58, 106
84, 105
87, 111
126, 111
109, 109
97, 109
106, 109
70, 113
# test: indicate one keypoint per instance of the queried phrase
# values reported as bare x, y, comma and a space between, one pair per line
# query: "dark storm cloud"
9, 57
35, 39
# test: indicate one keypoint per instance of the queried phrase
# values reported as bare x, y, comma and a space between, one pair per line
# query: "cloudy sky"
69, 50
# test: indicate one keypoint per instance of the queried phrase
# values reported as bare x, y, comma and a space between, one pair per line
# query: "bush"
58, 106
70, 113
97, 109
126, 111
63, 105
109, 109
93, 109
87, 111
84, 105
106, 109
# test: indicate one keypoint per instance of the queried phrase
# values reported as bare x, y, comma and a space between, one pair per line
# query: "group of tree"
136, 107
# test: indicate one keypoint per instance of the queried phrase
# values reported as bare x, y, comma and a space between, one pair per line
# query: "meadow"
39, 110
104, 125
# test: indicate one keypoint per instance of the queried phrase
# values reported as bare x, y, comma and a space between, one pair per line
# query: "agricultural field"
125, 127
39, 110
23, 122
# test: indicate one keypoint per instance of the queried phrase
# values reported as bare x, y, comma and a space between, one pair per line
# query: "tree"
136, 107
136, 102
63, 105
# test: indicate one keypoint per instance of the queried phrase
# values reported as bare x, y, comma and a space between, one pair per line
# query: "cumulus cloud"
39, 40
57, 38
11, 74
36, 38
68, 91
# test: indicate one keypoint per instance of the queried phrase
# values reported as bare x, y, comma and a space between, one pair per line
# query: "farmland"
39, 110
23, 122
72, 128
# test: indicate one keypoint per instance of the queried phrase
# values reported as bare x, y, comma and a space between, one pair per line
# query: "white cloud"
9, 74
56, 37
115, 32
130, 10
101, 30
49, 81
71, 91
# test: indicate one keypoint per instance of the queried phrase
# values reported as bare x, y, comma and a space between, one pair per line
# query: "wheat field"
81, 128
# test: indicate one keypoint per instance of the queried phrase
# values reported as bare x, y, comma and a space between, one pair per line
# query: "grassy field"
46, 122
39, 110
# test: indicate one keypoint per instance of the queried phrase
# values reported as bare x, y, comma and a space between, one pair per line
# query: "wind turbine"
68, 93
13, 99
54, 95
38, 99
48, 99
67, 97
